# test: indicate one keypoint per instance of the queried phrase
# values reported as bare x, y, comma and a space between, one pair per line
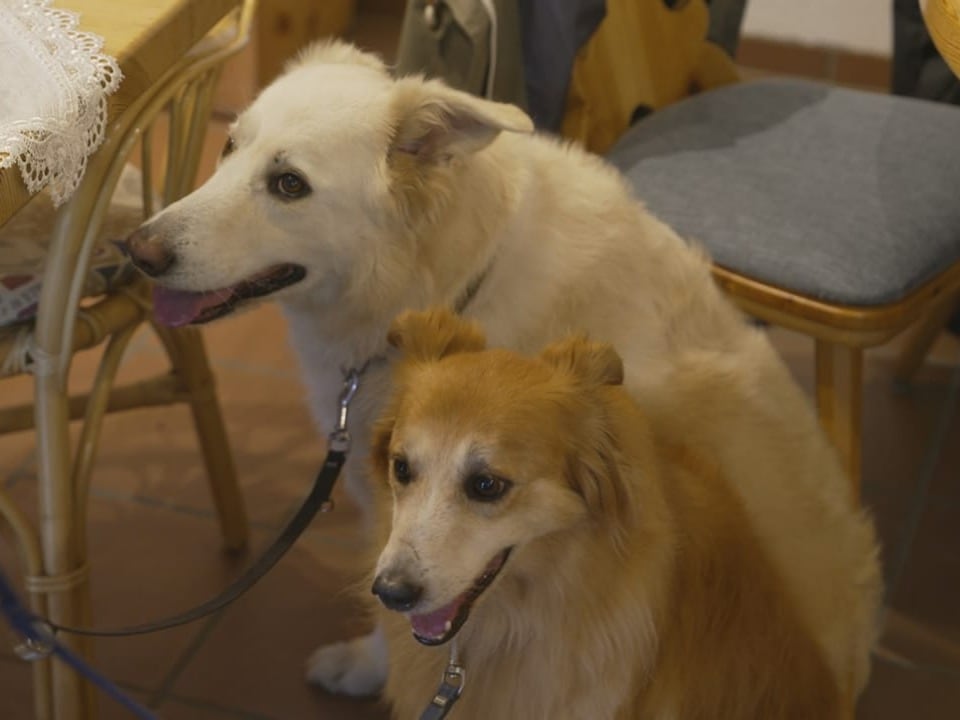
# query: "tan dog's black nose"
396, 592
148, 252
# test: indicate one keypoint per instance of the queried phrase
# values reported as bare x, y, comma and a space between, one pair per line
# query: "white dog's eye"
484, 487
401, 470
289, 186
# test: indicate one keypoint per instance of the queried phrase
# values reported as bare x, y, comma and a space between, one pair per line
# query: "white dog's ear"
434, 334
435, 121
595, 363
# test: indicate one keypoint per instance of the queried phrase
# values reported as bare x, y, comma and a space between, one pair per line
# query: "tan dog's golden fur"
637, 587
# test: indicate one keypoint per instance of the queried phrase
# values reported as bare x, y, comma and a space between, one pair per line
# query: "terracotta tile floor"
155, 544
154, 540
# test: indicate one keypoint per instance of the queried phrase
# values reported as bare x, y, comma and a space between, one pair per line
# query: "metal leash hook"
39, 642
451, 686
339, 439
37, 646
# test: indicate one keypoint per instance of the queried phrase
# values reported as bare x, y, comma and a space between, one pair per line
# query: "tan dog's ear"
434, 334
434, 121
595, 363
594, 473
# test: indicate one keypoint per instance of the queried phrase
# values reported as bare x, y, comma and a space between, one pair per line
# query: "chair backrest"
726, 22
943, 21
644, 55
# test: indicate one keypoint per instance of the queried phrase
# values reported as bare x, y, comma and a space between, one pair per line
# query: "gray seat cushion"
841, 195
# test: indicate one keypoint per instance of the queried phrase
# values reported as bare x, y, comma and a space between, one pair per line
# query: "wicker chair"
86, 299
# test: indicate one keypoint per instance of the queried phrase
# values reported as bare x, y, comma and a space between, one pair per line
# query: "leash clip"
38, 644
454, 678
340, 437
451, 686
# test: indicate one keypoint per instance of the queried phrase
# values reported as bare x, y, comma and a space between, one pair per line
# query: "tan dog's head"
320, 186
486, 452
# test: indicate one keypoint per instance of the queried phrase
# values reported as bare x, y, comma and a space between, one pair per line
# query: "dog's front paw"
357, 667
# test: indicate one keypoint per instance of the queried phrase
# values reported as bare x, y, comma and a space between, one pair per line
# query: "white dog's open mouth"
439, 626
183, 307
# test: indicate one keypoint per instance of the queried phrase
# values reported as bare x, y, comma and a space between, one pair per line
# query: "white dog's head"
322, 186
488, 454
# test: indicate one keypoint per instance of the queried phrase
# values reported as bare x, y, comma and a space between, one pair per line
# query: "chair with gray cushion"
829, 211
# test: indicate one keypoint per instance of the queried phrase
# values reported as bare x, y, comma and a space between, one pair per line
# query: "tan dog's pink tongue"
174, 308
434, 624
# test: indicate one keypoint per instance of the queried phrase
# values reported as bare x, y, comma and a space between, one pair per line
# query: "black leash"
39, 638
318, 500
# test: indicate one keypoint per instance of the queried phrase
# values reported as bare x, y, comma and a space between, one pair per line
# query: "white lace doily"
53, 94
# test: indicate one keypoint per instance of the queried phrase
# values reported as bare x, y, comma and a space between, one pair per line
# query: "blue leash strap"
39, 641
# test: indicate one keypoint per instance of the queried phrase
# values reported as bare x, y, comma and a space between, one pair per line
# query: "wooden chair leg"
922, 339
189, 359
839, 401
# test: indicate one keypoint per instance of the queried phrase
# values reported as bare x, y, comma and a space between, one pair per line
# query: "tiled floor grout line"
20, 471
254, 369
159, 504
164, 692
928, 466
227, 712
234, 713
205, 514
164, 689
224, 363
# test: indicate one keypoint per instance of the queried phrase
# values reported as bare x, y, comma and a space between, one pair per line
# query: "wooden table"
146, 37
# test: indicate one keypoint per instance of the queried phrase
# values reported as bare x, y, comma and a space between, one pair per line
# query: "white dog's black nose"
148, 252
396, 592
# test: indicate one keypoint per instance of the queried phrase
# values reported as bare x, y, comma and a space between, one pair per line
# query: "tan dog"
593, 557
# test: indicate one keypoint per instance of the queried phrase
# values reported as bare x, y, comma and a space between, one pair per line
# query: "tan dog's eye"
228, 147
401, 471
484, 487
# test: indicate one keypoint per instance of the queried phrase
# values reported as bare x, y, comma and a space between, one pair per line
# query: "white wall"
858, 25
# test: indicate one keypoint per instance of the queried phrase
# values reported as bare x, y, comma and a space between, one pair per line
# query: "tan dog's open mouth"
439, 626
183, 307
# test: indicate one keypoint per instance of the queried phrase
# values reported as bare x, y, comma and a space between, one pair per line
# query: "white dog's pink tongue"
174, 308
434, 625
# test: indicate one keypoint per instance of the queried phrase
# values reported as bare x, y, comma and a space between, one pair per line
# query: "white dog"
348, 196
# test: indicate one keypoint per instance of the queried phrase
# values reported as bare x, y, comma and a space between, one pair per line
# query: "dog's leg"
356, 667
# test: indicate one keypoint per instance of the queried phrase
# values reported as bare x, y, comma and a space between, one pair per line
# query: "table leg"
64, 581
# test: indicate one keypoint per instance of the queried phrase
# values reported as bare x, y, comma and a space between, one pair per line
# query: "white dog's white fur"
418, 193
